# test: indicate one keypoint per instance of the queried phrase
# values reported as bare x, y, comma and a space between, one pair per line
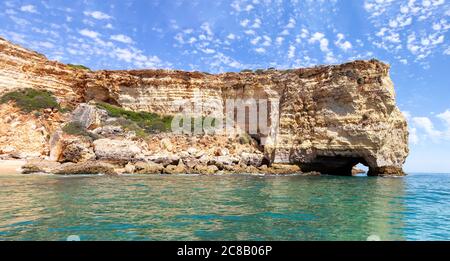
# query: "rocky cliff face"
330, 117
22, 68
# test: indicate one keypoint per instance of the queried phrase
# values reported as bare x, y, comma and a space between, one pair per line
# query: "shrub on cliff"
75, 128
29, 100
244, 138
78, 67
130, 126
150, 122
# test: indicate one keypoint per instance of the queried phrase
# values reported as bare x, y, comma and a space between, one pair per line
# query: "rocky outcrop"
22, 68
116, 150
329, 118
26, 135
89, 116
76, 149
147, 168
40, 166
92, 167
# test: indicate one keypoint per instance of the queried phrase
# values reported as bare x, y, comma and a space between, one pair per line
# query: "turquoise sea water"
224, 207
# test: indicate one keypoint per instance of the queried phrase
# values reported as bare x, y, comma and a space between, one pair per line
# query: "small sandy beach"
11, 166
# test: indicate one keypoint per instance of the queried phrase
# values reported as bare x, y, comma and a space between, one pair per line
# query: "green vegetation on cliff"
78, 67
149, 122
75, 128
29, 100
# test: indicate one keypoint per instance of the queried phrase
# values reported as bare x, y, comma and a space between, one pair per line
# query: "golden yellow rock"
330, 117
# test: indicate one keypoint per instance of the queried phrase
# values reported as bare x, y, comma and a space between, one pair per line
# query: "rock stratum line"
330, 118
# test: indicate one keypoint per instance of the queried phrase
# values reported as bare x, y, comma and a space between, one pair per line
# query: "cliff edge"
328, 118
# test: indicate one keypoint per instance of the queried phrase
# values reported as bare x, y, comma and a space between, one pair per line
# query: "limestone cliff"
22, 68
330, 117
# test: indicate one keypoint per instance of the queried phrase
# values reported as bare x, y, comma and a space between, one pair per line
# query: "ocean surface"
239, 207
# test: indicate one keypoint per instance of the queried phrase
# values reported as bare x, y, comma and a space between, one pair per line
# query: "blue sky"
215, 36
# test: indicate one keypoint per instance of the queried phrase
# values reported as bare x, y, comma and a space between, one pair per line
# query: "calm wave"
225, 208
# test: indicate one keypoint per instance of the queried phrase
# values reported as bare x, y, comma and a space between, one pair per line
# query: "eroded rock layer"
330, 117
22, 68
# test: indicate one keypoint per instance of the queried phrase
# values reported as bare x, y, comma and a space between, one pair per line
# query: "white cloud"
445, 117
324, 45
291, 23
89, 33
421, 24
173, 24
413, 136
447, 51
304, 33
320, 37
219, 60
231, 36
279, 40
245, 22
19, 21
341, 43
267, 41
179, 38
29, 9
329, 58
208, 50
192, 40
291, 52
236, 6
425, 124
393, 37
248, 8
255, 40
46, 44
285, 32
429, 130
249, 32
260, 50
257, 23
97, 15
316, 37
207, 28
122, 38
137, 58
10, 12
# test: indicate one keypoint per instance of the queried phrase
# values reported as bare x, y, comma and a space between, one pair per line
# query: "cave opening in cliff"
335, 165
360, 169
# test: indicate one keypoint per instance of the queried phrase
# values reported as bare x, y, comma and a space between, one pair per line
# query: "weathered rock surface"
178, 169
40, 166
109, 149
283, 169
91, 167
22, 68
89, 116
23, 135
164, 159
252, 159
148, 168
330, 117
76, 149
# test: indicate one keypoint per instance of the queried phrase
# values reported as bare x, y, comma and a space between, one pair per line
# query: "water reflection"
203, 208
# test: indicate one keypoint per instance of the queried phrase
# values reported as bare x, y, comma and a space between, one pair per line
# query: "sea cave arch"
334, 165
